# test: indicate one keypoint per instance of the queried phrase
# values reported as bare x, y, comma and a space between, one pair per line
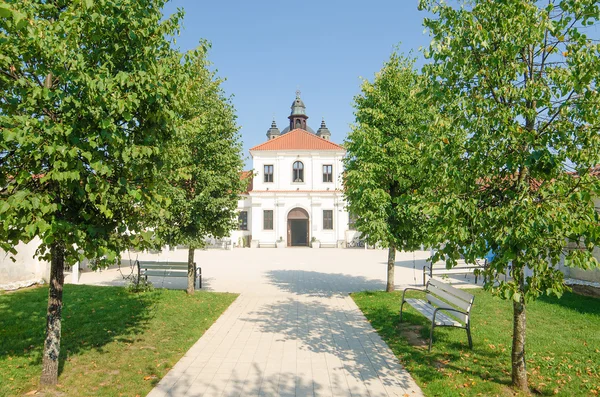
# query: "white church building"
296, 194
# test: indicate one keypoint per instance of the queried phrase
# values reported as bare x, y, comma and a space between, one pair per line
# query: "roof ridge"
323, 143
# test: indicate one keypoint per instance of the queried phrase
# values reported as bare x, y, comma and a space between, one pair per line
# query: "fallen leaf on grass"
149, 377
31, 393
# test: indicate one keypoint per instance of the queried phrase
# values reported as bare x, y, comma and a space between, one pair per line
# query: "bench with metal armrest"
444, 305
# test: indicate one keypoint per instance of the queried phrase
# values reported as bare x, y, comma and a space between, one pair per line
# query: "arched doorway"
297, 228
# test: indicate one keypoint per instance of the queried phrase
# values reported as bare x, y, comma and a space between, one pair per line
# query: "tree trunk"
391, 264
519, 368
191, 271
53, 316
139, 273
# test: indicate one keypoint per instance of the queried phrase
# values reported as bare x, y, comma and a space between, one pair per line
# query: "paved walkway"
293, 331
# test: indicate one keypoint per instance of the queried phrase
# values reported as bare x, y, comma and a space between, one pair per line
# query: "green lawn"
563, 346
113, 342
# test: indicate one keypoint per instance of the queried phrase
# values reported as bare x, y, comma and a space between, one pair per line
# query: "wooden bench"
460, 268
168, 269
444, 305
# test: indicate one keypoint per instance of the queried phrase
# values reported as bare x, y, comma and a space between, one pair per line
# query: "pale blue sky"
268, 49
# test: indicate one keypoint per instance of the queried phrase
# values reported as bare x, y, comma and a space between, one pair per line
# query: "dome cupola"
298, 115
298, 107
323, 131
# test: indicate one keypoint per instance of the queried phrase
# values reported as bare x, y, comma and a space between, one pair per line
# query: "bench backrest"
460, 264
437, 290
163, 265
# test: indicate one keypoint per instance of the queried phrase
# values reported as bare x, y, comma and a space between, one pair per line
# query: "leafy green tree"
86, 95
519, 80
385, 161
204, 164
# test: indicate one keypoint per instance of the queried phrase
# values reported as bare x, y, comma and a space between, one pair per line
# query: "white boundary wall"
25, 270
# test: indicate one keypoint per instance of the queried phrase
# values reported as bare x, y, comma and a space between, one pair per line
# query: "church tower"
273, 132
298, 115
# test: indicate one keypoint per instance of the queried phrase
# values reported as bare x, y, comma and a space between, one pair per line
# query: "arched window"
298, 125
298, 172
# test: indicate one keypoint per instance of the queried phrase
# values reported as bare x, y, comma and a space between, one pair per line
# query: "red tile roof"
247, 176
535, 184
298, 139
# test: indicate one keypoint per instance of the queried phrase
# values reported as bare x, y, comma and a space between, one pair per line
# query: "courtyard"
294, 330
270, 271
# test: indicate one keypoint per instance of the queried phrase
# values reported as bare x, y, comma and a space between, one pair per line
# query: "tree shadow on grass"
577, 303
92, 317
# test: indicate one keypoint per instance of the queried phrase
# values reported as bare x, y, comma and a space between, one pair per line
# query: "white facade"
285, 208
283, 195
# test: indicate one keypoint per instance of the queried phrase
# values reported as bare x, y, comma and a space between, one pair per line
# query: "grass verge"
113, 342
563, 345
